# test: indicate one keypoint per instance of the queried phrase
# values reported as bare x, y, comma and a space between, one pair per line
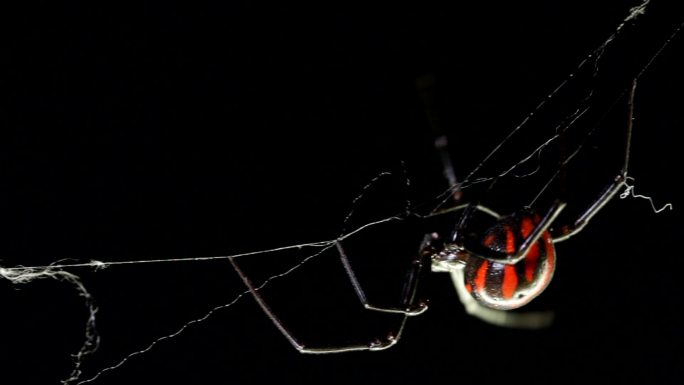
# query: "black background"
161, 130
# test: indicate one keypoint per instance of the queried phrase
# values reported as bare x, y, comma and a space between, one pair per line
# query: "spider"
500, 270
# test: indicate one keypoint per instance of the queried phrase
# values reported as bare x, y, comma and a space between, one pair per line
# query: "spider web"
522, 165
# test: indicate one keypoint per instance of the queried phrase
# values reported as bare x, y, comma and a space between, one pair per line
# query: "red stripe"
510, 281
531, 261
510, 240
481, 277
489, 240
526, 227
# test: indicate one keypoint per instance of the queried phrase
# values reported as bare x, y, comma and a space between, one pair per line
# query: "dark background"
161, 130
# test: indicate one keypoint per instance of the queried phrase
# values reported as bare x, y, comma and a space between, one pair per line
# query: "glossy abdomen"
505, 286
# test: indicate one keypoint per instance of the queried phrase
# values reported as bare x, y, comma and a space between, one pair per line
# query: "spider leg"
618, 183
409, 304
377, 344
425, 85
525, 247
538, 231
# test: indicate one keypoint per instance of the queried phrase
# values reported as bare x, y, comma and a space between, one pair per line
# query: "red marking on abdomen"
531, 261
510, 240
526, 227
489, 240
510, 281
481, 277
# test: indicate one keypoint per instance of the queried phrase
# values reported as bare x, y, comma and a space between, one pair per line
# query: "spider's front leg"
409, 307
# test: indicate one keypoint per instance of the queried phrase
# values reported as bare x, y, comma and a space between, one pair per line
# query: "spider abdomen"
504, 286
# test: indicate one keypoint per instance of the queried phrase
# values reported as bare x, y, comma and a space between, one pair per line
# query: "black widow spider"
512, 263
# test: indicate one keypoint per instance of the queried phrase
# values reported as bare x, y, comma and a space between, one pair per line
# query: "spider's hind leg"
618, 183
